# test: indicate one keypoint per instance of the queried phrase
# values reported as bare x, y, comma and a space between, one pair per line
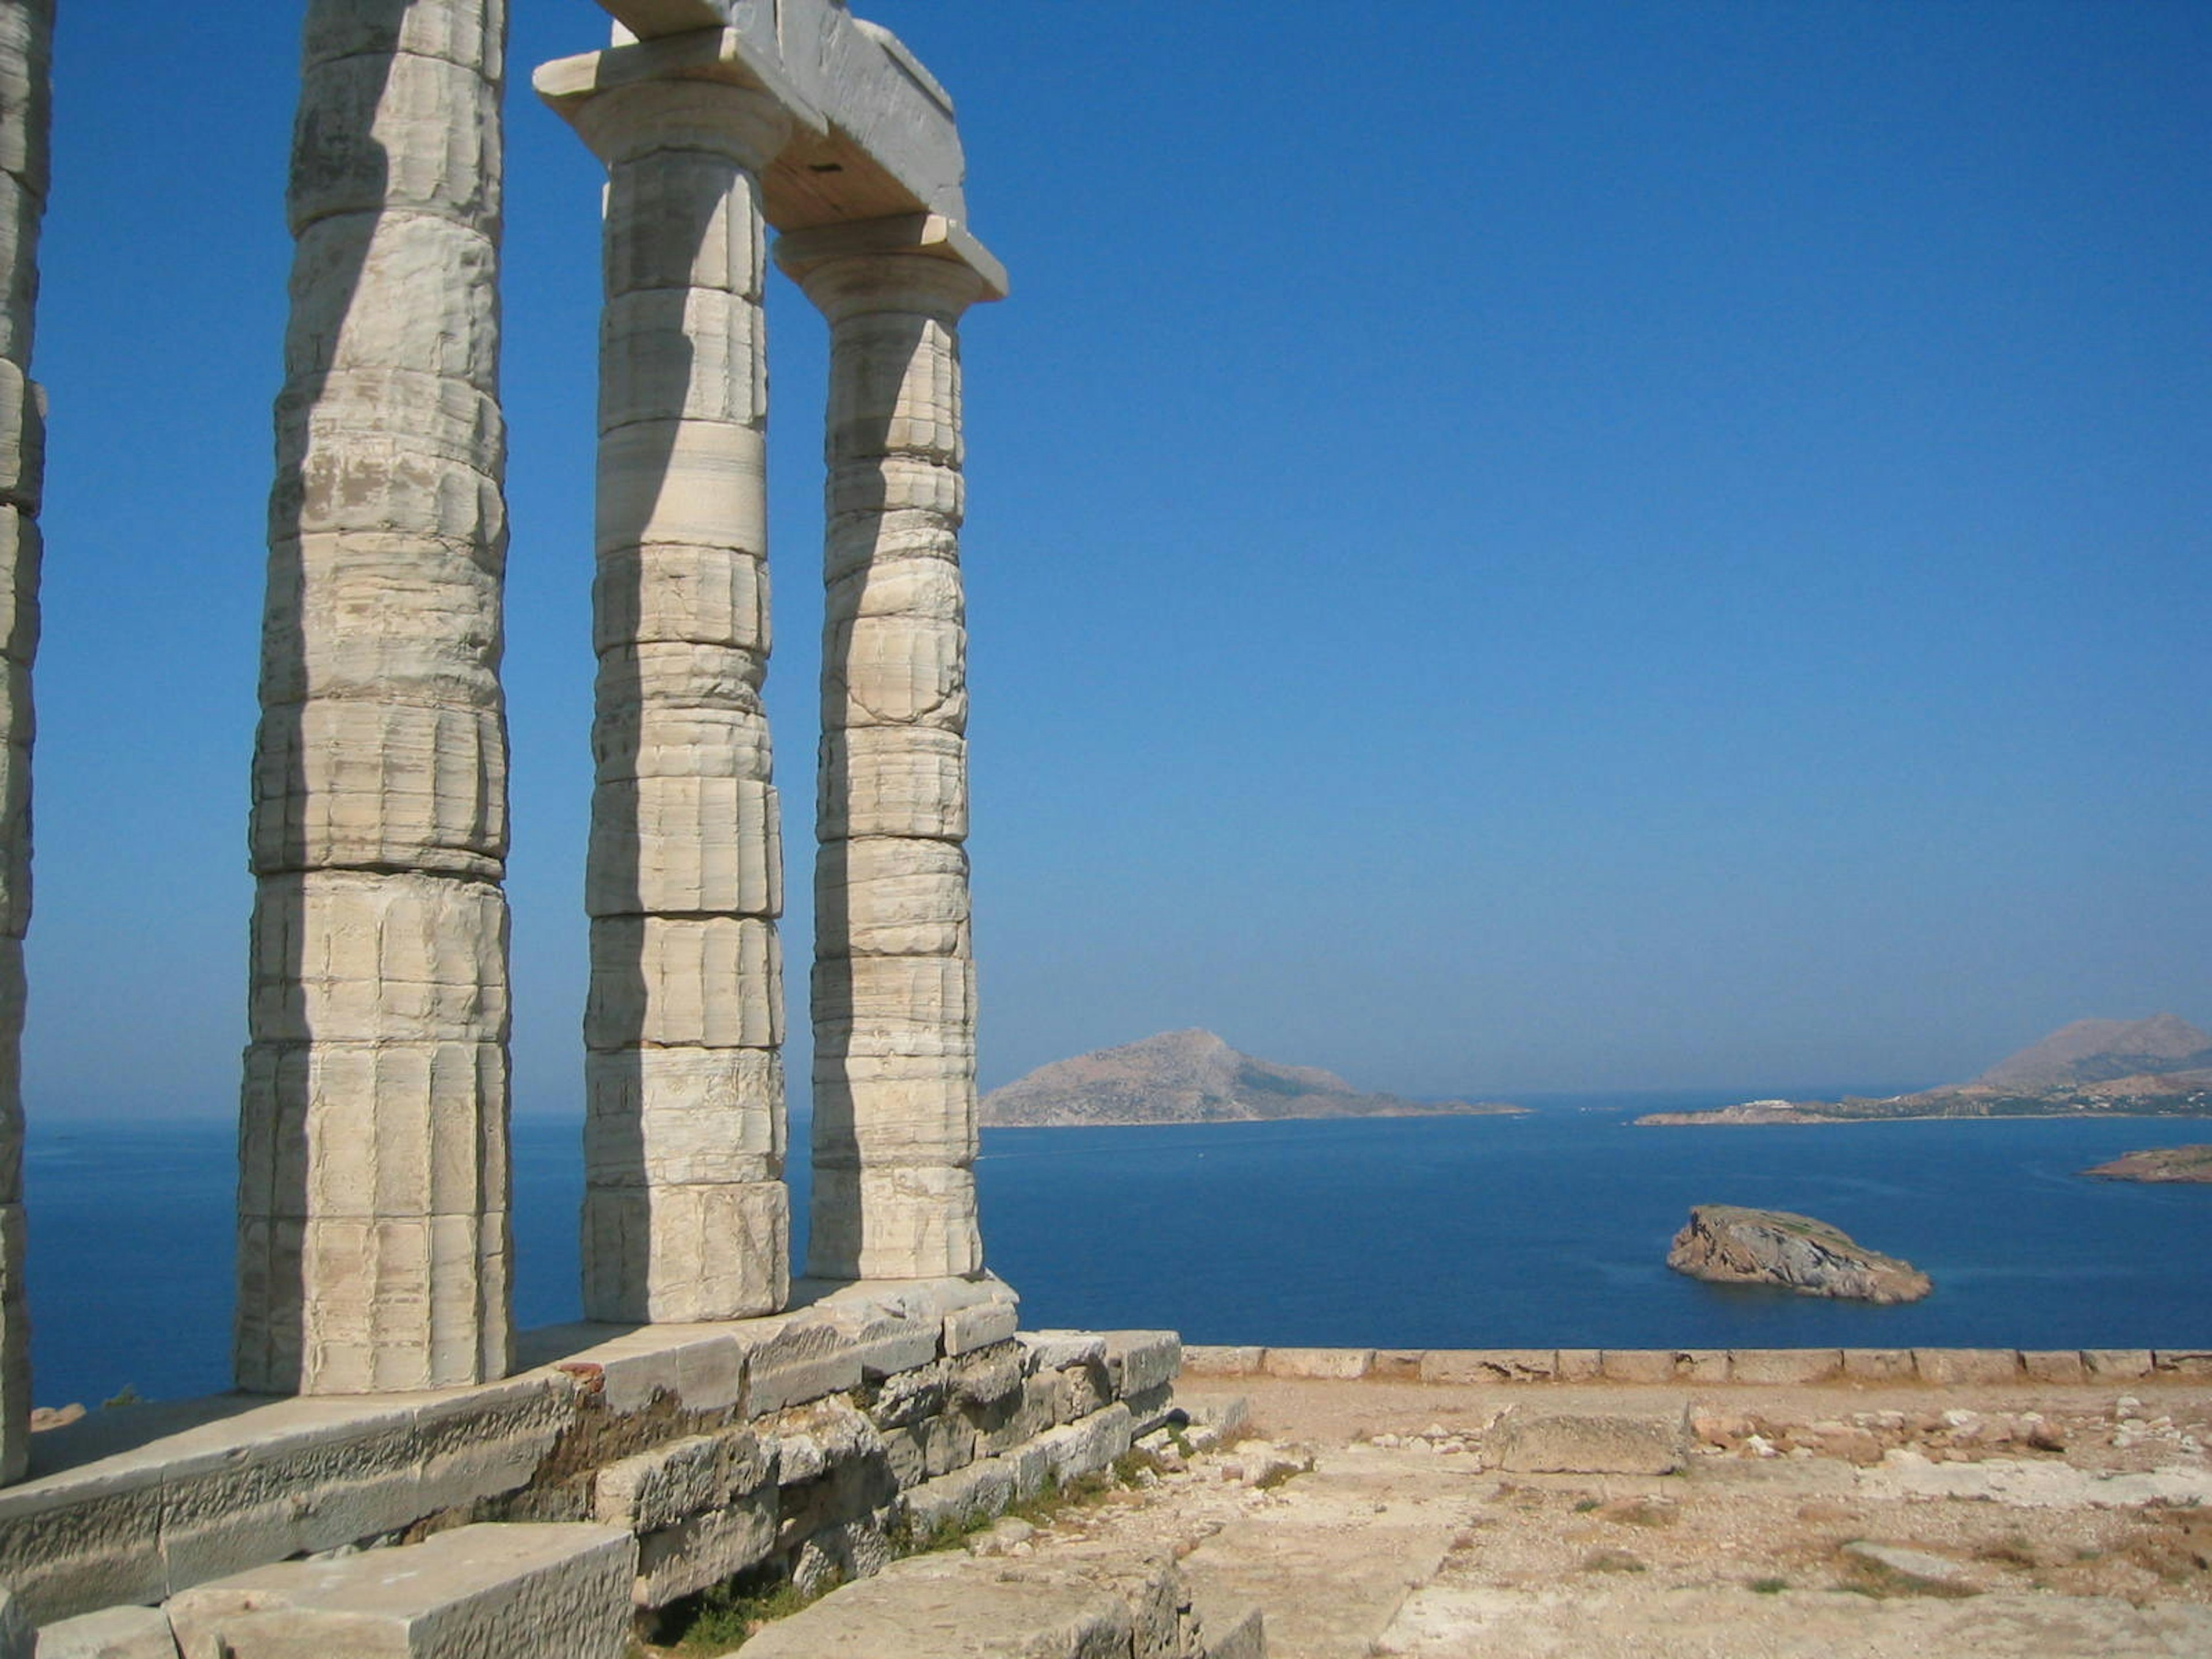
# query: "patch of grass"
1613, 1561
717, 1620
1769, 1586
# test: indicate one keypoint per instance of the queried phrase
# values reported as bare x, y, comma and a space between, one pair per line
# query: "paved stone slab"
1532, 1440
110, 1633
480, 1592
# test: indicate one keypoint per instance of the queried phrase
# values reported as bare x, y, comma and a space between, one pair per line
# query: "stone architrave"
25, 53
894, 982
686, 1217
372, 1212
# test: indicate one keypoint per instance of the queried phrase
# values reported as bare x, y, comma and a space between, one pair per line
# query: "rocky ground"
1849, 1522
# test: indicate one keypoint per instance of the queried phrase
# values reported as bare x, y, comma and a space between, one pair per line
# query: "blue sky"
1513, 547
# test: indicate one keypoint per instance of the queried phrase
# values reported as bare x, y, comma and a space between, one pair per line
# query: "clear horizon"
1597, 548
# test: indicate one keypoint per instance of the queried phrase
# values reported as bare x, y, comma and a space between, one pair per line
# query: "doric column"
26, 50
373, 1225
894, 982
686, 1216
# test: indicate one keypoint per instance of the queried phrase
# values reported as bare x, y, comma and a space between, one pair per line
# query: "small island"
1728, 1244
2161, 1164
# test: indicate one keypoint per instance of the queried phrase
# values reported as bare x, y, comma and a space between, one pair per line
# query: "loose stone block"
1966, 1365
1390, 1365
1878, 1364
1785, 1366
2118, 1364
110, 1633
1534, 1441
478, 1590
1343, 1364
1488, 1365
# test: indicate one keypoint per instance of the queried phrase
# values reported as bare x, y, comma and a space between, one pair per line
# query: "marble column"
373, 1192
686, 1216
26, 51
894, 986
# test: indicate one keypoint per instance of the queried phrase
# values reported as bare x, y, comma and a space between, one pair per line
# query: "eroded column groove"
25, 56
372, 1194
686, 1216
894, 982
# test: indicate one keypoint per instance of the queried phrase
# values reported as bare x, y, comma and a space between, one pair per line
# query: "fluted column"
25, 51
894, 983
686, 1216
372, 1193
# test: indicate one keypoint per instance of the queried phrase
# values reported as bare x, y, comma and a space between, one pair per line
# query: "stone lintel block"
1638, 1365
382, 786
22, 438
442, 318
1534, 1440
679, 1117
674, 1482
1059, 1350
1139, 1360
1581, 1364
1341, 1364
687, 353
367, 956
1214, 1360
478, 1590
1979, 1366
684, 982
2063, 1365
2118, 1364
2182, 1362
465, 31
794, 1358
403, 133
896, 1223
706, 1550
1878, 1364
369, 1130
699, 484
670, 1255
684, 846
1785, 1365
888, 896
1489, 1365
987, 1324
898, 780
674, 593
110, 1633
21, 551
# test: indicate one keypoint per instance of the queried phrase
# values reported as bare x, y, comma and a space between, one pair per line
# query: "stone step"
512, 1591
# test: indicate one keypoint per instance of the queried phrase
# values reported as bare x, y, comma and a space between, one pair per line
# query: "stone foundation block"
1785, 1366
988, 1377
700, 1373
797, 1358
1489, 1365
476, 1591
983, 1326
682, 1561
1878, 1364
671, 1484
1338, 1364
1532, 1441
1057, 1351
1980, 1366
1085, 1447
909, 1397
110, 1633
1137, 1360
2064, 1365
2118, 1364
1638, 1365
965, 1495
1230, 1629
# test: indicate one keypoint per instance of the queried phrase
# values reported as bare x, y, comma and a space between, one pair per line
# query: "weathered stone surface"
2117, 1364
1340, 1364
110, 1633
1218, 1361
1878, 1364
705, 1551
1581, 1364
1785, 1366
1055, 1351
1137, 1361
475, 1591
797, 1358
2061, 1366
984, 1325
666, 1253
1488, 1365
1729, 1245
1966, 1365
1638, 1365
1534, 1440
673, 1483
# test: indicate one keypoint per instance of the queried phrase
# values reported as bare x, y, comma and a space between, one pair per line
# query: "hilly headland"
1192, 1076
2159, 1164
2156, 1067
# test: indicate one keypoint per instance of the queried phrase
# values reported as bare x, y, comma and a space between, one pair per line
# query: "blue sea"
1545, 1230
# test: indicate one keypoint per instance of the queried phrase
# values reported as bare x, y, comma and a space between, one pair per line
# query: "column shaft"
26, 51
686, 1217
373, 1196
894, 979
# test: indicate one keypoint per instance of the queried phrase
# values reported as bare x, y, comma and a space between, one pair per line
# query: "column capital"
710, 91
911, 262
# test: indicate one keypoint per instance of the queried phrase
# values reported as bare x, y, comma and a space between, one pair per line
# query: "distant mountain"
1189, 1076
2156, 1067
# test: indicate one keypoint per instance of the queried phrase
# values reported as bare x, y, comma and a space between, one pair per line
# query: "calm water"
1415, 1232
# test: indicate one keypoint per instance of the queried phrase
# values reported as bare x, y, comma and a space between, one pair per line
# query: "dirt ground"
1863, 1521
